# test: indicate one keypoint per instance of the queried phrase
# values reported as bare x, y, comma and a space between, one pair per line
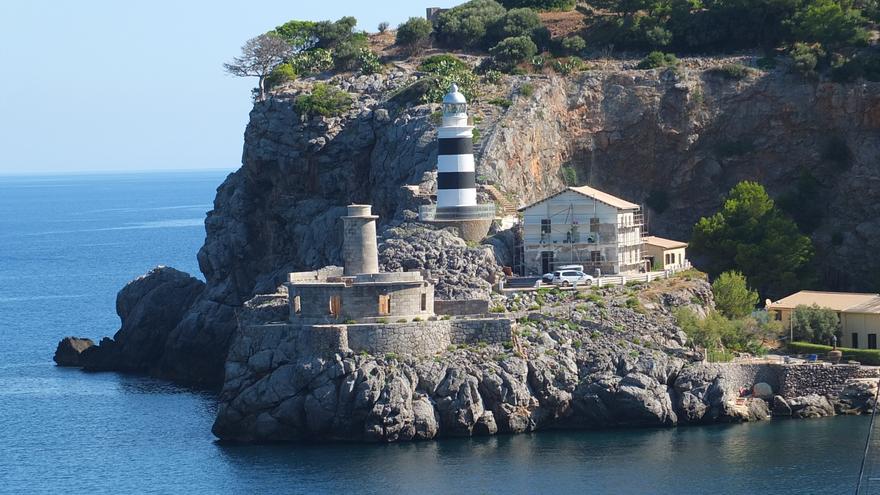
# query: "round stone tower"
360, 252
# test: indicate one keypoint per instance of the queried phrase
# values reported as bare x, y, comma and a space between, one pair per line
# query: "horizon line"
31, 173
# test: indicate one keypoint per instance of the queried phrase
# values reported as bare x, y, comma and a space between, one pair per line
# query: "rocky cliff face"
684, 137
578, 363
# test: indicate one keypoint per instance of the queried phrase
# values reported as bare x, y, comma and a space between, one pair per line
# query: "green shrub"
441, 71
493, 76
569, 175
634, 304
280, 74
577, 344
573, 45
324, 100
513, 51
312, 62
391, 356
402, 320
731, 71
805, 57
733, 298
865, 356
382, 320
446, 317
658, 59
415, 33
349, 322
467, 25
527, 90
417, 318
498, 309
568, 65
383, 26
516, 23
369, 62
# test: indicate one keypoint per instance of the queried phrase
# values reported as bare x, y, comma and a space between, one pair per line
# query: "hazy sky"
127, 85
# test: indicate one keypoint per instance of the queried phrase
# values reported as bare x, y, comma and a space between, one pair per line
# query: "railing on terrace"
607, 280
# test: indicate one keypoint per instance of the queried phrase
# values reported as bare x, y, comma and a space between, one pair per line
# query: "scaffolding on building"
574, 244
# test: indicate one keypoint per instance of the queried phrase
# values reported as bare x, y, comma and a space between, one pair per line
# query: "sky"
110, 85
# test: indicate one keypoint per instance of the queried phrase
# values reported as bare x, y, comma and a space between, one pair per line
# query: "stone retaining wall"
456, 308
423, 338
790, 380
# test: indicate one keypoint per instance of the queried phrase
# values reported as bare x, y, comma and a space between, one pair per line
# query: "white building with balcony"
582, 226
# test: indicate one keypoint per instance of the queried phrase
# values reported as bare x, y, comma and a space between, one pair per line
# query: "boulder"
762, 390
780, 406
69, 351
150, 308
811, 406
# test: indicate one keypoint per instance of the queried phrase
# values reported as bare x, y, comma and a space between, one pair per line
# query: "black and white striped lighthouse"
456, 174
456, 179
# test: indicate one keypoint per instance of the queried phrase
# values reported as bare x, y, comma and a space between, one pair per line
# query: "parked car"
567, 278
547, 278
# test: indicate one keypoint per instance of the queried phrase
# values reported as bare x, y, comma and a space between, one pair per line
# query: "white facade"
577, 226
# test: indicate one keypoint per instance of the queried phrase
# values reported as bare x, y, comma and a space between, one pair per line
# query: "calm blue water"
67, 244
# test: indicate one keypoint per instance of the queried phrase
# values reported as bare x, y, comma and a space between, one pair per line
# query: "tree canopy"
814, 324
259, 56
733, 298
751, 235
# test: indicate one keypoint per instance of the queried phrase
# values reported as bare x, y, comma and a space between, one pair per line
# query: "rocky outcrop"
461, 271
151, 308
69, 351
594, 364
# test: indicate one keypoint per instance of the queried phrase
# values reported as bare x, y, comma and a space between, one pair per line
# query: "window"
424, 302
872, 341
297, 305
777, 315
545, 226
855, 340
595, 256
335, 306
384, 304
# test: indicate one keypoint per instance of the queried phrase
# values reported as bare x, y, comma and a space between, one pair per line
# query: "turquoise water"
67, 244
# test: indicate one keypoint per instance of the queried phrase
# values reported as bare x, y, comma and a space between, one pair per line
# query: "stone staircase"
508, 209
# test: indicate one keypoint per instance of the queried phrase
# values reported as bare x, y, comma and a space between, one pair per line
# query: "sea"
68, 243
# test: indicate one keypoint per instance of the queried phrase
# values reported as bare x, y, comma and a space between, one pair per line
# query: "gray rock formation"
593, 365
69, 351
688, 134
151, 308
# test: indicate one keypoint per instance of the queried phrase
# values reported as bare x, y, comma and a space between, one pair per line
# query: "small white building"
664, 254
582, 226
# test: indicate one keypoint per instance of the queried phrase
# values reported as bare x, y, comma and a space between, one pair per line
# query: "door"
546, 262
872, 341
384, 304
855, 340
335, 306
